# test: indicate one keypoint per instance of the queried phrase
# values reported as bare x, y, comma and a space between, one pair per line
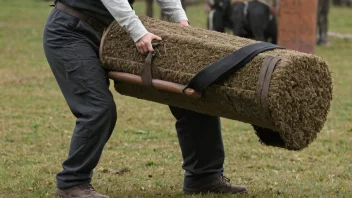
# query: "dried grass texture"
300, 89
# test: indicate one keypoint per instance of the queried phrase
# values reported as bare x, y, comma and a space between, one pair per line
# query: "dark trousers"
323, 11
238, 19
258, 19
71, 47
220, 16
271, 30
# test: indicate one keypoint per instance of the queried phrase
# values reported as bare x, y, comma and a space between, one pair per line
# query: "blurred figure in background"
261, 16
255, 19
238, 18
323, 12
219, 13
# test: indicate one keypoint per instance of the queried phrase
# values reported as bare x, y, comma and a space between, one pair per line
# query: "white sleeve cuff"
137, 30
178, 16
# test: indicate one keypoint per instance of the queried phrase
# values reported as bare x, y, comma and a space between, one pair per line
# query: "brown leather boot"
220, 185
80, 191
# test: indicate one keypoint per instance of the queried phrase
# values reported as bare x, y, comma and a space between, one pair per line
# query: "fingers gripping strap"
228, 64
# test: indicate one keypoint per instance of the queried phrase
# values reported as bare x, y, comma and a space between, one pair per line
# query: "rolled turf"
298, 98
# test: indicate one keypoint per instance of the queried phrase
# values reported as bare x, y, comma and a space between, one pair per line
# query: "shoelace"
87, 187
225, 180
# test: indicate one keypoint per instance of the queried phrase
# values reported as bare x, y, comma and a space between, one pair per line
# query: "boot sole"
196, 192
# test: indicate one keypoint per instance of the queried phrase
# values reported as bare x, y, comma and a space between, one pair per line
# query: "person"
218, 14
238, 18
323, 11
71, 39
261, 16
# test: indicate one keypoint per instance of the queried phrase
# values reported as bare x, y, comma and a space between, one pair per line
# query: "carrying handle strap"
227, 65
262, 92
146, 73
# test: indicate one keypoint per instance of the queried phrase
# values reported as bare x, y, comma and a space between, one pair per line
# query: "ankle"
195, 181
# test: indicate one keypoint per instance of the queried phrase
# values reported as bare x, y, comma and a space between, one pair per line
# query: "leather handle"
146, 73
158, 84
267, 68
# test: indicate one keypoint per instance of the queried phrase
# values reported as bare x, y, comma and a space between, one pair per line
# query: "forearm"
173, 10
126, 17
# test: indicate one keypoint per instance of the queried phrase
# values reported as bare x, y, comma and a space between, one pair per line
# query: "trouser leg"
323, 11
324, 27
215, 20
258, 18
201, 145
237, 18
71, 48
271, 30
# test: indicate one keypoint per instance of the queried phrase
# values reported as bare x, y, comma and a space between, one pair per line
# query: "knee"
111, 110
106, 109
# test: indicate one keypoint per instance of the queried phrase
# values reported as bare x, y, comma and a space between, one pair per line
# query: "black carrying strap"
228, 65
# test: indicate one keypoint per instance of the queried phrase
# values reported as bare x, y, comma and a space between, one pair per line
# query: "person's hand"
144, 44
184, 23
273, 11
207, 8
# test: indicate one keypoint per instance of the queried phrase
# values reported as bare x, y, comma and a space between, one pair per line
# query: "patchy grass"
338, 20
142, 158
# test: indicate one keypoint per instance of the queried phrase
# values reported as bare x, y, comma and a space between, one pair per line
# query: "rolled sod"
288, 115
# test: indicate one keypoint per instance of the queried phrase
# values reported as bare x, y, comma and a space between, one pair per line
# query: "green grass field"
36, 126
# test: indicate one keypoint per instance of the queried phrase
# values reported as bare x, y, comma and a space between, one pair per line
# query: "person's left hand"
184, 23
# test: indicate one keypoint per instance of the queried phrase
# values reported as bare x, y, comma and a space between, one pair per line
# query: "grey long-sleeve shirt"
127, 18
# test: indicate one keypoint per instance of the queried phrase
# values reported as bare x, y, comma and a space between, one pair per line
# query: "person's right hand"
144, 44
273, 11
207, 8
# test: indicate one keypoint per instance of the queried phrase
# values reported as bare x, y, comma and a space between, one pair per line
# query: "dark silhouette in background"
322, 19
254, 19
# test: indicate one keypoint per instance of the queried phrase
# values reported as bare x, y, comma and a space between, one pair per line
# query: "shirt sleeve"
126, 18
173, 10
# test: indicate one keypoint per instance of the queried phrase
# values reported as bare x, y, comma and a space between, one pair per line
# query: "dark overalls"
71, 47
